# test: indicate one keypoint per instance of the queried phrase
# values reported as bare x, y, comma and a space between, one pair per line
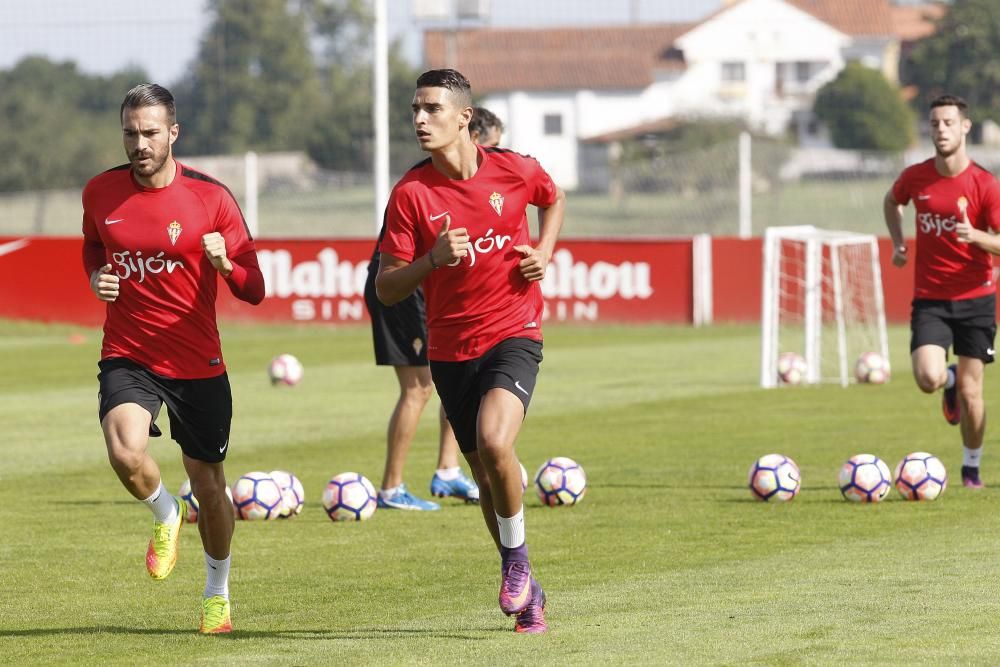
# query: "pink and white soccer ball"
257, 496
185, 492
921, 476
285, 369
791, 368
524, 476
774, 477
349, 496
871, 368
560, 481
865, 478
293, 496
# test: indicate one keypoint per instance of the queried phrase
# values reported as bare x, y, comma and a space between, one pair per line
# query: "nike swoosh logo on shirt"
223, 448
439, 215
111, 222
517, 384
13, 246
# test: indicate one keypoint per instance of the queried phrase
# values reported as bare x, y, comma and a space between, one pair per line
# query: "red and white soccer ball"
865, 478
921, 476
560, 481
349, 496
774, 477
791, 368
185, 492
257, 496
293, 496
285, 369
871, 368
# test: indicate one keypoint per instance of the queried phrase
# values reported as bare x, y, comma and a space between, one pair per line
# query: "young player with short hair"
957, 217
457, 224
157, 235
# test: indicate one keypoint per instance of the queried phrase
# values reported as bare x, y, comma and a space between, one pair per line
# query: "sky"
105, 36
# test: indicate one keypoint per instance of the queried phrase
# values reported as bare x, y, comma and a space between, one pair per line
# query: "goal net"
822, 299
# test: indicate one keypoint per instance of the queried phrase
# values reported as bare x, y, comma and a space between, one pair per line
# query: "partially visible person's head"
949, 124
442, 107
149, 128
485, 128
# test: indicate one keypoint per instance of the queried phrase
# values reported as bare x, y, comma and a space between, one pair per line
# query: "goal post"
822, 299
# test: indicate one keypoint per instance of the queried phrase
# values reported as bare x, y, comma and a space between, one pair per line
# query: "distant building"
761, 61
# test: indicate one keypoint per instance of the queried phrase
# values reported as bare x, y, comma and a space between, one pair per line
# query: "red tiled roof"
913, 22
558, 59
858, 18
658, 126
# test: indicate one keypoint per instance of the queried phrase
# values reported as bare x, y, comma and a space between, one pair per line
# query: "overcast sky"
104, 36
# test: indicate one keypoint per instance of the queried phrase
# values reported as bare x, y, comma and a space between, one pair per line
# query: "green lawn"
666, 560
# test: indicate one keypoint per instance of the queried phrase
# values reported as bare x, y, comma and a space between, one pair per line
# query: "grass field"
666, 560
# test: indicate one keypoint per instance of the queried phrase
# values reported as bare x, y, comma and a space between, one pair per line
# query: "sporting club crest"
174, 231
496, 201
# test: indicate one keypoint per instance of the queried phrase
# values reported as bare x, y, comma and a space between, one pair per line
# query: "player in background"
485, 128
954, 299
157, 235
399, 334
457, 224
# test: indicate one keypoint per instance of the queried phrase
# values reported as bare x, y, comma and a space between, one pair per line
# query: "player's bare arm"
104, 283
214, 245
398, 279
893, 212
550, 220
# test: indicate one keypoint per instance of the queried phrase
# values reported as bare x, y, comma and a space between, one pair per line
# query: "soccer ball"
560, 481
293, 496
865, 479
349, 496
285, 369
187, 494
774, 477
257, 496
871, 368
791, 368
921, 476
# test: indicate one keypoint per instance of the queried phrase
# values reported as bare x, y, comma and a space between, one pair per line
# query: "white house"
759, 60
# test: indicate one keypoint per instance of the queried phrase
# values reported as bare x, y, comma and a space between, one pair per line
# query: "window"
553, 124
803, 71
734, 72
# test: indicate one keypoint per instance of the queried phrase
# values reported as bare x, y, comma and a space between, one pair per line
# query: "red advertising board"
323, 281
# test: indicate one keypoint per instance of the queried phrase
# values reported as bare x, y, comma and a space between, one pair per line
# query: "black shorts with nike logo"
511, 364
200, 411
967, 324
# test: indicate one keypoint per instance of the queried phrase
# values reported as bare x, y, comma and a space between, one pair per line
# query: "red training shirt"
481, 299
947, 269
164, 316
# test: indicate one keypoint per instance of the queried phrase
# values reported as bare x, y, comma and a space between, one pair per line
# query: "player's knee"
124, 460
970, 393
927, 382
418, 394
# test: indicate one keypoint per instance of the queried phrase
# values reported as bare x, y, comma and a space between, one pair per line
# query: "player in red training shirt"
954, 296
156, 235
457, 224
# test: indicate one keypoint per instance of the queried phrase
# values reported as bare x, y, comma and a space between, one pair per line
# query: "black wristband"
430, 258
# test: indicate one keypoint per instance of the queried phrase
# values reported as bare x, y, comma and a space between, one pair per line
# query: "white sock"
217, 581
970, 457
950, 382
512, 530
448, 474
163, 505
389, 493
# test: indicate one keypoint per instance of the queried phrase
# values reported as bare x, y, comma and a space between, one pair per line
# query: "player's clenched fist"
532, 264
104, 283
215, 249
451, 245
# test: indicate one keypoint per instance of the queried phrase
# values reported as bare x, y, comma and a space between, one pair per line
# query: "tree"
864, 111
254, 82
59, 127
961, 58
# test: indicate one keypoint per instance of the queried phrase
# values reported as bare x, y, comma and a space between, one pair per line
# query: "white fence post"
746, 189
701, 283
252, 192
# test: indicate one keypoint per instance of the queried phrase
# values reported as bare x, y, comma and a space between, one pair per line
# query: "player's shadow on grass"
323, 634
91, 502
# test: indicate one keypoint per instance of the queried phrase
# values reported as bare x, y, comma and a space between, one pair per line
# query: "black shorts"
201, 411
968, 324
511, 364
399, 331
